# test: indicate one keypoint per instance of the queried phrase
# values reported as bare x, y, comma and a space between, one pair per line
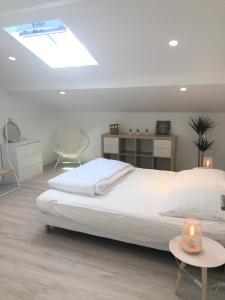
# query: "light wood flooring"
65, 265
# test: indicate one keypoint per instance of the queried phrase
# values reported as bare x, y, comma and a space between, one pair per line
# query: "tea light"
207, 162
191, 239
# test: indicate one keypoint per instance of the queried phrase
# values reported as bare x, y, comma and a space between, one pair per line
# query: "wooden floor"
66, 265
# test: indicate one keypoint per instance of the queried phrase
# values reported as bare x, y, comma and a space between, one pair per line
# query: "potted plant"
201, 125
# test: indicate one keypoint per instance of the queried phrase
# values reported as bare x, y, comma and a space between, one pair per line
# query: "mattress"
128, 212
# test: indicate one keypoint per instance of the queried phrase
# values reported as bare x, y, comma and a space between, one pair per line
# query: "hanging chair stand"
64, 160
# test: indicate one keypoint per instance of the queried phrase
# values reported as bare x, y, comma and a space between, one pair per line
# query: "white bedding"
128, 212
93, 178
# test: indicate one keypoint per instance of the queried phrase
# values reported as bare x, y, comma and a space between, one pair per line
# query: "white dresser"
26, 158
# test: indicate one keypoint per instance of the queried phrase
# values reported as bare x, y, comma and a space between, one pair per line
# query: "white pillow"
194, 202
196, 194
200, 177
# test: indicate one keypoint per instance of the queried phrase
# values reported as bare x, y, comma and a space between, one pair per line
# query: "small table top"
212, 254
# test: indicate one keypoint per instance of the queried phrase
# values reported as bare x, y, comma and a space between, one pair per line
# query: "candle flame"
192, 230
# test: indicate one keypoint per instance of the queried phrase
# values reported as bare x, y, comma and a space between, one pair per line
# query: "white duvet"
93, 178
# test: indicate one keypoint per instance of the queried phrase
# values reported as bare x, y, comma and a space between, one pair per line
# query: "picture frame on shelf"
163, 127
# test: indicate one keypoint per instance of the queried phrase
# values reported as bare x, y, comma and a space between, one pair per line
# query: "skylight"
54, 43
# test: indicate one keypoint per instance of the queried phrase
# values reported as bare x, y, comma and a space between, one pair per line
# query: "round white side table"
212, 255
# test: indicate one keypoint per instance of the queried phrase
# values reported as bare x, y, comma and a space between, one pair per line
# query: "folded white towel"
92, 178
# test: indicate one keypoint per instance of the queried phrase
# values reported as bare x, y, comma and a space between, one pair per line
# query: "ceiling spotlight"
173, 43
11, 58
183, 89
62, 93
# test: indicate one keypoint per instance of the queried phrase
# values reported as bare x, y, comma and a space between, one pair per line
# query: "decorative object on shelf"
191, 239
147, 131
208, 162
13, 132
130, 131
137, 131
163, 127
201, 125
114, 128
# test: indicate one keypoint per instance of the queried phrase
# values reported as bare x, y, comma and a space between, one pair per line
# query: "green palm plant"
201, 125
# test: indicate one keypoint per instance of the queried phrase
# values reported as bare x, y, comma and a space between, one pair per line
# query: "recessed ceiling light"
12, 58
183, 89
62, 93
173, 43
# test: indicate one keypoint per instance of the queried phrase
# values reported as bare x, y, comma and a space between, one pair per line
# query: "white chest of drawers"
26, 158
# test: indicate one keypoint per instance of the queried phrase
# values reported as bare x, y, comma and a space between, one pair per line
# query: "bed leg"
47, 228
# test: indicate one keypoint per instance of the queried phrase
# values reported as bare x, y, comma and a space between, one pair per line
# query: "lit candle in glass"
191, 239
207, 162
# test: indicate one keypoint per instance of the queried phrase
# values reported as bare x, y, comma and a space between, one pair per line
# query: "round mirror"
12, 132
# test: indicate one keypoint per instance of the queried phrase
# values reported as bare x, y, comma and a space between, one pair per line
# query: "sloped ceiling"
137, 69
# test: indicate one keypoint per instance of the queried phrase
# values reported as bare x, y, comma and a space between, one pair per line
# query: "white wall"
96, 123
34, 121
37, 121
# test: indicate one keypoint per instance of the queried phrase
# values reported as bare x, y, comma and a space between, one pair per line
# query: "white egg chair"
69, 144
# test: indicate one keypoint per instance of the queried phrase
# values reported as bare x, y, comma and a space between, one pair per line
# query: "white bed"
128, 212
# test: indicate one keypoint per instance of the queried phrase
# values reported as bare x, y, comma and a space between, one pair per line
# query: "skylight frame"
54, 43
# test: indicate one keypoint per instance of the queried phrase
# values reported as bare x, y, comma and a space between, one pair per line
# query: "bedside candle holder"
207, 162
191, 239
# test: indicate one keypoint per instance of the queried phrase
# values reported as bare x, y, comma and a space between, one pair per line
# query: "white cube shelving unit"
142, 151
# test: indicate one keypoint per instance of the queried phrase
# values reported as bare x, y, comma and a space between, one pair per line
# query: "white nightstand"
211, 256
